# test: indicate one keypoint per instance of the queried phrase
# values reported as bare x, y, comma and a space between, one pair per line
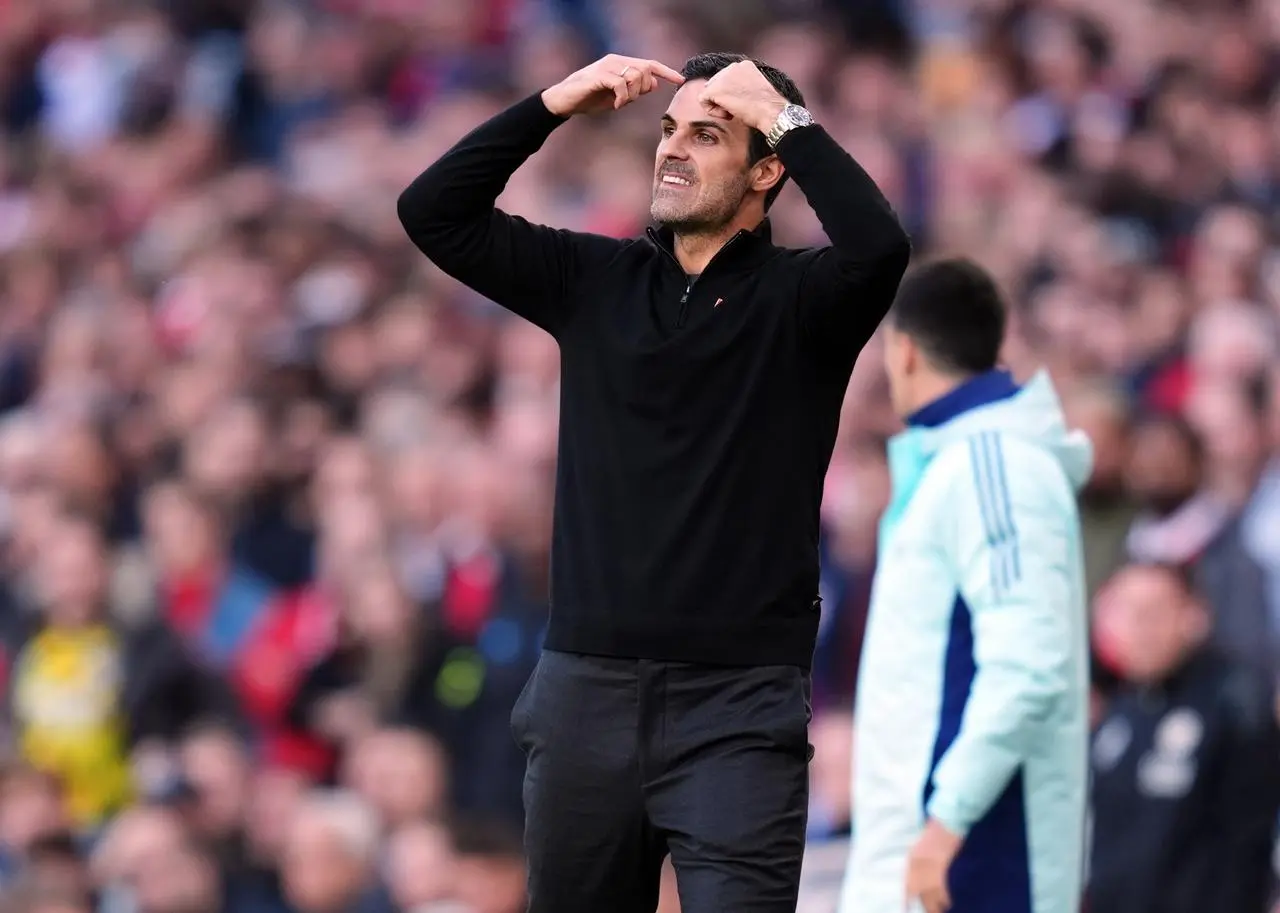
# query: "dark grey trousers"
629, 760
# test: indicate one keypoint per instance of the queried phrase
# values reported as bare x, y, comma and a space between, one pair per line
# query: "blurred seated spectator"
182, 877
330, 856
32, 810
420, 866
256, 639
68, 690
215, 762
1185, 783
56, 864
402, 773
1100, 409
383, 666
490, 867
1182, 522
134, 842
275, 794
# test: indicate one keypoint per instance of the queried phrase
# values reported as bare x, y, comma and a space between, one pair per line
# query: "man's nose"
673, 147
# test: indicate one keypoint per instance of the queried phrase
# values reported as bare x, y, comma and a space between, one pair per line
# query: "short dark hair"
706, 65
953, 311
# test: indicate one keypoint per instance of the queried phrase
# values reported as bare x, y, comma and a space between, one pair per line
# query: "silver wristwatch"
792, 116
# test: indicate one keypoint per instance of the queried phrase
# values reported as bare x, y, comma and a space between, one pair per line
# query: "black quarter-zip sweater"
698, 415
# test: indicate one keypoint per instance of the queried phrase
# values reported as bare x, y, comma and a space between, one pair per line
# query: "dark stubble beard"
709, 218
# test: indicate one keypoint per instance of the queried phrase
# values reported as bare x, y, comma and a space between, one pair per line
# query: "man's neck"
694, 250
929, 388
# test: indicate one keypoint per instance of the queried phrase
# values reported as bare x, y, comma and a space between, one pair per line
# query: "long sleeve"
1010, 544
449, 212
849, 286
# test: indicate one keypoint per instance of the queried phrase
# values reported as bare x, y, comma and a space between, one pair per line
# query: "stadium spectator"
329, 863
1186, 788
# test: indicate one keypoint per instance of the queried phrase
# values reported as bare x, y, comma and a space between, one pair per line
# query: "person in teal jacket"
971, 720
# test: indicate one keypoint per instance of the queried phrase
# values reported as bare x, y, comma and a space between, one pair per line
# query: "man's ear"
909, 354
766, 173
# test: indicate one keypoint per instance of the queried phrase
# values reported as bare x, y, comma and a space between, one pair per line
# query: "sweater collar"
743, 242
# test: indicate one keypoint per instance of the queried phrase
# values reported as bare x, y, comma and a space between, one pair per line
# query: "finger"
635, 83
935, 900
708, 101
619, 86
650, 83
662, 71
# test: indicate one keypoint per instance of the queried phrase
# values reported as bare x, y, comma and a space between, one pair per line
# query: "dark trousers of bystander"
629, 760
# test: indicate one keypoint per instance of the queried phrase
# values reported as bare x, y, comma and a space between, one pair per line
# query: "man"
703, 370
1185, 782
970, 719
330, 862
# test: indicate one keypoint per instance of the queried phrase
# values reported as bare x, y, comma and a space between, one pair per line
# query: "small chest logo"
719, 301
1110, 744
1169, 769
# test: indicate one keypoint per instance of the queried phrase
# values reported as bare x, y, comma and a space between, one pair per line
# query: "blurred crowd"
275, 494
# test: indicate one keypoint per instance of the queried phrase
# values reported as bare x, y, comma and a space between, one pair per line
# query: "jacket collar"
743, 243
981, 390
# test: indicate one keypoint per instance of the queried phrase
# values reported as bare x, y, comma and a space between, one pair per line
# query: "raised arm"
849, 286
450, 210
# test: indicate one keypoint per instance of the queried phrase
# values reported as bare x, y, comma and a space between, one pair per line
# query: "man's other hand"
610, 83
927, 868
740, 90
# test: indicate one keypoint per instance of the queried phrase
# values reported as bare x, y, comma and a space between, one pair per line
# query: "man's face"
1161, 473
72, 572
318, 871
702, 171
1152, 621
420, 865
216, 766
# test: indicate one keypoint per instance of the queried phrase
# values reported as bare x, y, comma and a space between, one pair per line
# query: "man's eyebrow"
698, 124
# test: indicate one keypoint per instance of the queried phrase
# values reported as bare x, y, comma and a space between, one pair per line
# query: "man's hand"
740, 90
927, 868
608, 84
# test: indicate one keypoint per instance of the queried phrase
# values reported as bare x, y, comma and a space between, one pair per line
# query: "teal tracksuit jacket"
973, 687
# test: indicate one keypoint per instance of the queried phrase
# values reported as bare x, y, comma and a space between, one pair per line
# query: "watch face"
798, 115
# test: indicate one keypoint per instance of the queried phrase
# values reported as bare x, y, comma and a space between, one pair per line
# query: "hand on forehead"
686, 106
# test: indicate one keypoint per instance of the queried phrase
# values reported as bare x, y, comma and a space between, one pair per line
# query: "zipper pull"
684, 306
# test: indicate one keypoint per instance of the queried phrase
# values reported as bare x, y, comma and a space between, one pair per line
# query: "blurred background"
275, 494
